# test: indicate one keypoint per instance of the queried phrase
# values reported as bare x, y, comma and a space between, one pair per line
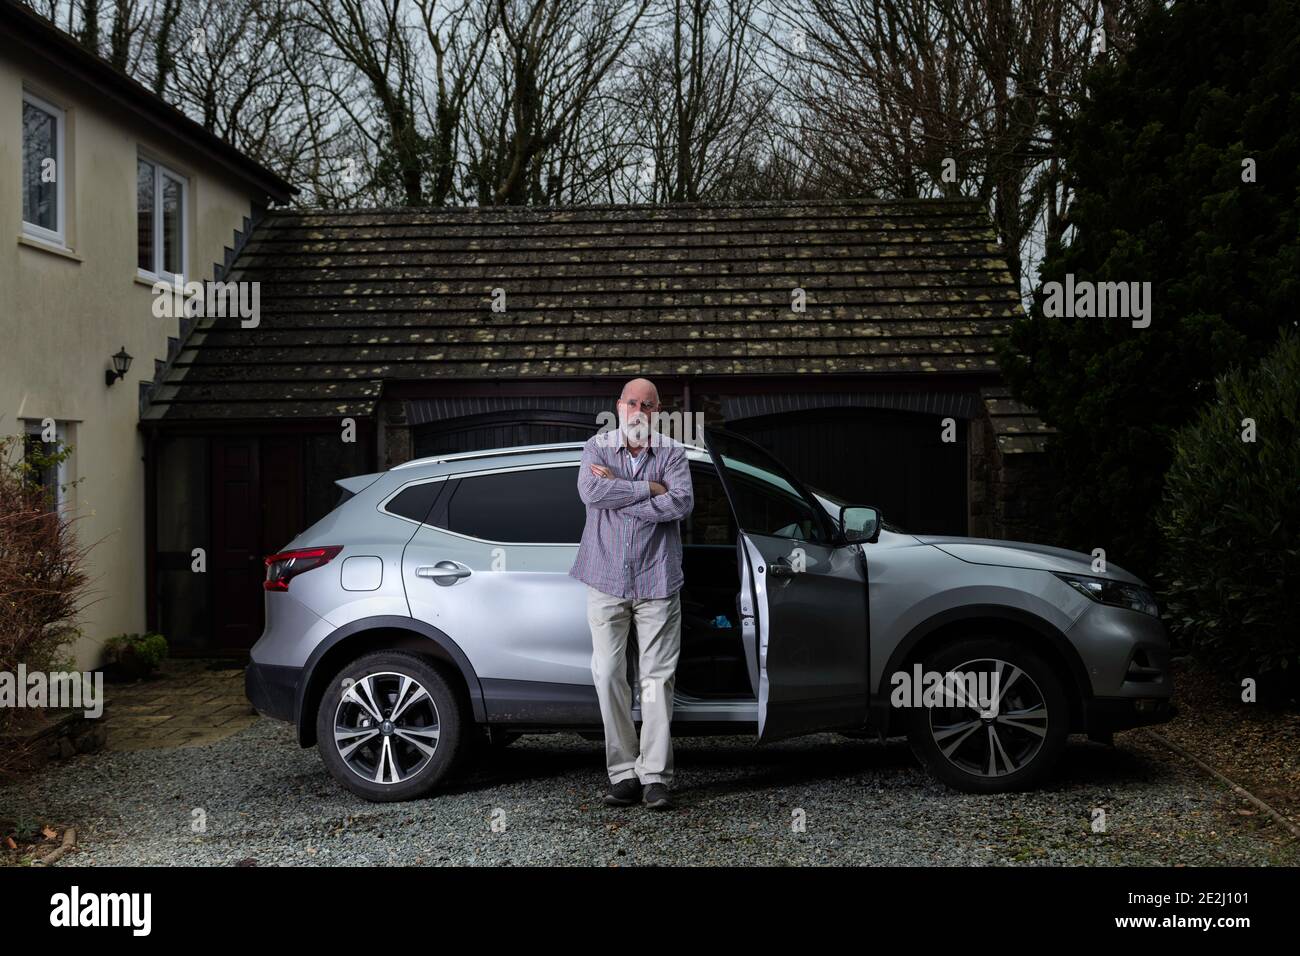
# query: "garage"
388, 345
894, 460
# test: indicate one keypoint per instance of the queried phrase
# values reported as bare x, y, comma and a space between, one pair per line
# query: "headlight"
1114, 593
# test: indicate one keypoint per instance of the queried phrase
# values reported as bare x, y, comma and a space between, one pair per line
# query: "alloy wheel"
386, 727
996, 740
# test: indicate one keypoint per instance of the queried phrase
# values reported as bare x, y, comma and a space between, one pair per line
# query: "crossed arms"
647, 500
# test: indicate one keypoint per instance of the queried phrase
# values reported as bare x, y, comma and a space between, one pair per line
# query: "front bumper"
1126, 656
1125, 653
273, 690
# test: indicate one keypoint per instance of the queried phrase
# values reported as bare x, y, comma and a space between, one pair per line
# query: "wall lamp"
121, 365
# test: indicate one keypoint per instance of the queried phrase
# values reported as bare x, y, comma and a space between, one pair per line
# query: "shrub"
43, 583
135, 655
1230, 519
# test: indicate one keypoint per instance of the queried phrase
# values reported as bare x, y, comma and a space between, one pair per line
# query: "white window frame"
160, 172
57, 236
35, 428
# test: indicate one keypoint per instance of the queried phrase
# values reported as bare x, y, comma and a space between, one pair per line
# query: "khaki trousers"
659, 639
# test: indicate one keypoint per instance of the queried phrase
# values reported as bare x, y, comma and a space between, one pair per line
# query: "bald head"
641, 389
637, 405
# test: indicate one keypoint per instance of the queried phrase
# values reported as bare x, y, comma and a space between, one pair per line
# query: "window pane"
43, 469
414, 503
144, 205
766, 497
173, 223
710, 521
40, 199
527, 507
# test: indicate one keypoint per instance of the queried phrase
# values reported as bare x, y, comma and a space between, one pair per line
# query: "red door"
257, 497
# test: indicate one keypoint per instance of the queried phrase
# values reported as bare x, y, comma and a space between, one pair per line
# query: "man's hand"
600, 471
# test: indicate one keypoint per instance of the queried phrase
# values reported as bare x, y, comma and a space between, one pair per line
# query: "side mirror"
859, 524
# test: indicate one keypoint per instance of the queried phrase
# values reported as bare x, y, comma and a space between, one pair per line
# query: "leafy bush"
42, 576
135, 655
1231, 522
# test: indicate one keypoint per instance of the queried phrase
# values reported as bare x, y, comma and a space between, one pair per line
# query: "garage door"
896, 461
500, 430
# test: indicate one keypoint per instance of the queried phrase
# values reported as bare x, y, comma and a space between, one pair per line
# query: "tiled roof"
350, 299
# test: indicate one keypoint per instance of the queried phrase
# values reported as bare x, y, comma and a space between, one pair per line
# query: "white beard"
636, 432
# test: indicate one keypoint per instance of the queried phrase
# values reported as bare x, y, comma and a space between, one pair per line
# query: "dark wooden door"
235, 562
282, 487
257, 495
896, 461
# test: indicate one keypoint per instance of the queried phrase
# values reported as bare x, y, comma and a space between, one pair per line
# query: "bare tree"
697, 100
550, 60
458, 40
372, 39
88, 35
164, 58
913, 98
419, 102
402, 76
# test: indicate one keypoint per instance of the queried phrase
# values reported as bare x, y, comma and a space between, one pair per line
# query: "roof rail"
489, 453
501, 452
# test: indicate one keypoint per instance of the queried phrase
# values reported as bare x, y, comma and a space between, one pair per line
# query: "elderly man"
636, 484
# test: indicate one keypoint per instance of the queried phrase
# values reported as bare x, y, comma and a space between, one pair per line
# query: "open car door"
803, 604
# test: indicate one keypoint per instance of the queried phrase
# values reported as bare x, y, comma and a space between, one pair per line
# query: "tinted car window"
415, 502
537, 506
766, 496
710, 521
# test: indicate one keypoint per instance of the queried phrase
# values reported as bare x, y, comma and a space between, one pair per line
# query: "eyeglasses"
634, 403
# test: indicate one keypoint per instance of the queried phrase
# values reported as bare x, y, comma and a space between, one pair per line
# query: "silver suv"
432, 612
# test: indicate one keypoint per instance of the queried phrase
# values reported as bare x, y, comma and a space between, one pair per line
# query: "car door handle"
780, 570
444, 572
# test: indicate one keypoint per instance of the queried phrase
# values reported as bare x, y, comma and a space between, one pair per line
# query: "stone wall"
1010, 494
393, 434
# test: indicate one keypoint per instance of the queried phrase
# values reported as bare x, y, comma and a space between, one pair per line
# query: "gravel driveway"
861, 802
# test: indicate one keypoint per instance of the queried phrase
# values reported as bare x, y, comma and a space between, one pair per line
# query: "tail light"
284, 567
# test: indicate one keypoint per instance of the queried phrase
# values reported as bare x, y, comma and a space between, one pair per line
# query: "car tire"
1012, 748
386, 760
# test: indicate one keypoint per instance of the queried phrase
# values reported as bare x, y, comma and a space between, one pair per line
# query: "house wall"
62, 315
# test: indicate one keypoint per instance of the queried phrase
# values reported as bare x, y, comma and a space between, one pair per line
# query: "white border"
160, 172
58, 236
